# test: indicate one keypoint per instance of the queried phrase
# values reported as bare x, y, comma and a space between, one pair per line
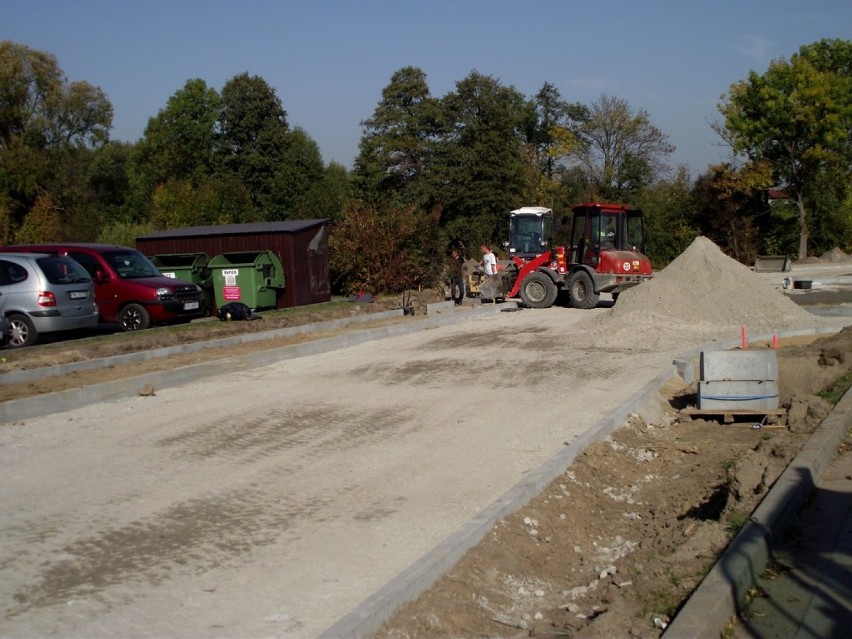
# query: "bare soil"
614, 546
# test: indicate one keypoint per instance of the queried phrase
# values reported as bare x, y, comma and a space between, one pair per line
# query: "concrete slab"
739, 365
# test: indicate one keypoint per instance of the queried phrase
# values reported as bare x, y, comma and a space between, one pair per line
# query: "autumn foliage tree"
797, 116
42, 223
384, 250
732, 209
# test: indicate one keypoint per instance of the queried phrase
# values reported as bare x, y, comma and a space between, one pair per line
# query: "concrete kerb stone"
368, 616
719, 596
75, 398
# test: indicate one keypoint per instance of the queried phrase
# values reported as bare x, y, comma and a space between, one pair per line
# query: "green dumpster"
254, 278
189, 267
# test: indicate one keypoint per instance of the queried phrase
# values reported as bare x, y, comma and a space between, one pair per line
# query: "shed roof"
252, 228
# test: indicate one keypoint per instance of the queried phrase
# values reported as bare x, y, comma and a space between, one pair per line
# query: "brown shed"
301, 245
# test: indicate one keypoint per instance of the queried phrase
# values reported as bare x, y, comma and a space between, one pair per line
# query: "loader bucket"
495, 286
773, 263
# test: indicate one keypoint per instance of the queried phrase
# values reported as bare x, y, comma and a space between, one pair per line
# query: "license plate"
190, 306
78, 295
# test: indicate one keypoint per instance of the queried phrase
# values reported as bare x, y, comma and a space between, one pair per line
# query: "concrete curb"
75, 398
717, 599
369, 616
15, 377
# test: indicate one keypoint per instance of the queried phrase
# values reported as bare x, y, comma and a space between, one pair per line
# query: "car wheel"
134, 317
21, 331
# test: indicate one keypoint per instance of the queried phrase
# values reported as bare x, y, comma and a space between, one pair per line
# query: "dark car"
128, 287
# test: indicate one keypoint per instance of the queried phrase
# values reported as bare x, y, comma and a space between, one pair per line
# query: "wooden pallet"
728, 416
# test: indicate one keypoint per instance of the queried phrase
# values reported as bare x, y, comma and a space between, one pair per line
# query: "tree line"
431, 172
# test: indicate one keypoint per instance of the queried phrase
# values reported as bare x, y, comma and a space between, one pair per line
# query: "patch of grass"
736, 522
665, 600
838, 388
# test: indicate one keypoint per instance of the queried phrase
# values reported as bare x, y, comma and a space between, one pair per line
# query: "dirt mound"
834, 255
706, 293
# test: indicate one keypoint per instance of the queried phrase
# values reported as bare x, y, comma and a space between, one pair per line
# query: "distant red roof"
778, 194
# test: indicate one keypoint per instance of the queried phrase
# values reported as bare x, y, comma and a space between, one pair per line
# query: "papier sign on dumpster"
230, 290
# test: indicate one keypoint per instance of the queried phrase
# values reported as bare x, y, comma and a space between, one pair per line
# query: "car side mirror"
100, 276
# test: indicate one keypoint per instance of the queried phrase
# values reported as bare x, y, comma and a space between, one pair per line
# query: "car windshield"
131, 264
62, 270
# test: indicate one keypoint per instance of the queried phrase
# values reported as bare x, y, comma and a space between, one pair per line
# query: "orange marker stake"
743, 337
774, 342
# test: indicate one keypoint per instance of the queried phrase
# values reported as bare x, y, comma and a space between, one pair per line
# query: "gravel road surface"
271, 502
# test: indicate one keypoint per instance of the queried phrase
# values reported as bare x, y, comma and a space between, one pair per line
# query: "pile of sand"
834, 255
703, 294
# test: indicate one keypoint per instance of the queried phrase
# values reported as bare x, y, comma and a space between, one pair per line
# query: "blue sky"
329, 60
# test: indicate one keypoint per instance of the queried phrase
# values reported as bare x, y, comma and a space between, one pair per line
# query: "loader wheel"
581, 291
538, 290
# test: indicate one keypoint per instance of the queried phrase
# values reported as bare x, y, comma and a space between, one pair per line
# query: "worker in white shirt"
489, 260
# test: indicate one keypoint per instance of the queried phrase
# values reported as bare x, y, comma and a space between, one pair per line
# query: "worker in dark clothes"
455, 270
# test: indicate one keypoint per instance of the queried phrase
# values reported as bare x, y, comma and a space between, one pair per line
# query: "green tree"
669, 217
482, 165
48, 126
327, 197
798, 117
398, 140
179, 142
253, 140
108, 177
124, 233
40, 109
557, 124
619, 149
301, 168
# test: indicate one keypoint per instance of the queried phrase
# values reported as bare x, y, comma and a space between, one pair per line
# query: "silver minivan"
44, 294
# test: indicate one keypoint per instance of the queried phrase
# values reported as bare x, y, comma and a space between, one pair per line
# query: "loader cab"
606, 227
530, 231
609, 238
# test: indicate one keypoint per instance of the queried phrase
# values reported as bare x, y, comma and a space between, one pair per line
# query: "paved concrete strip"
368, 617
716, 600
14, 377
77, 397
